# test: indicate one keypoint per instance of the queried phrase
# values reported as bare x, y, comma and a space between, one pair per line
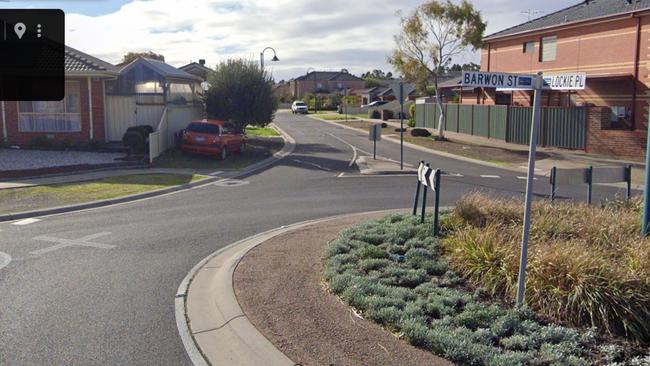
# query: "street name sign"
480, 79
565, 81
375, 132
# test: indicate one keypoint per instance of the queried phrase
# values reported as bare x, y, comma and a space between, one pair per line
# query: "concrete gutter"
424, 149
212, 325
287, 149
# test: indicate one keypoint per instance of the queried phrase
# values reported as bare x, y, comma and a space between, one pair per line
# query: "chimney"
202, 62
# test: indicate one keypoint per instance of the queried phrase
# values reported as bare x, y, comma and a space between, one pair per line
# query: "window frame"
65, 113
541, 49
525, 49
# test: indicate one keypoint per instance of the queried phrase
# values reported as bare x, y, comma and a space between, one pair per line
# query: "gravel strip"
278, 285
37, 159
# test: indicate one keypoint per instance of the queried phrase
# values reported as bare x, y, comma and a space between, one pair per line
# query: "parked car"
299, 107
212, 137
376, 103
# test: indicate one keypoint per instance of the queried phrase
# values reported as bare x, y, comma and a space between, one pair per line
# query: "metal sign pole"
401, 125
646, 193
521, 288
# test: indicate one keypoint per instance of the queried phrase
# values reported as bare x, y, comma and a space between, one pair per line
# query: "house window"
319, 86
529, 47
63, 116
548, 49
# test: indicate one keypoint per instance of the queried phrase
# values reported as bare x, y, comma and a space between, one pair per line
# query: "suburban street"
97, 287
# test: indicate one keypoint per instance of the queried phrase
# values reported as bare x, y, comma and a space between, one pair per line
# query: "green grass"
31, 198
261, 132
257, 149
395, 273
337, 117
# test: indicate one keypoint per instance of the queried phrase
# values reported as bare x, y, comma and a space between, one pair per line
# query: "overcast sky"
326, 35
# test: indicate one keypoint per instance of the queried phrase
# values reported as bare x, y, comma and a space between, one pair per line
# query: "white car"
299, 107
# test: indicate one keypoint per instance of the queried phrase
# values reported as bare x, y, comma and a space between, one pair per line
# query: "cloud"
326, 35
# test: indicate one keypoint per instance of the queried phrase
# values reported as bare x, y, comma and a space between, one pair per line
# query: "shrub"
40, 142
411, 122
584, 268
432, 307
375, 114
420, 132
412, 111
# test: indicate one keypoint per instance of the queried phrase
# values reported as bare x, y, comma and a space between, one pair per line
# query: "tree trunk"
442, 119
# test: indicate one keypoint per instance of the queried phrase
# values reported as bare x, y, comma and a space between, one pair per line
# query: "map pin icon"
20, 29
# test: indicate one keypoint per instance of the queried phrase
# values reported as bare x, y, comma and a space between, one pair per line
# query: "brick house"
76, 120
324, 82
608, 40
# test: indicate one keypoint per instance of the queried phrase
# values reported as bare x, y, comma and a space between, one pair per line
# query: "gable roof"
328, 75
77, 62
581, 12
166, 70
195, 65
393, 89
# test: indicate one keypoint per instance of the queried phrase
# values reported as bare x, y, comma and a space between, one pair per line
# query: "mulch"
279, 286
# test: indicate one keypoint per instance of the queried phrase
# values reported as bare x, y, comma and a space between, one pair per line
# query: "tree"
432, 35
242, 93
465, 67
149, 54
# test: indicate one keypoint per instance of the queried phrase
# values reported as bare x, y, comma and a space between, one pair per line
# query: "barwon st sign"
480, 79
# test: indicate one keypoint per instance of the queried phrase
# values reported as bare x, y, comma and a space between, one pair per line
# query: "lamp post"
274, 59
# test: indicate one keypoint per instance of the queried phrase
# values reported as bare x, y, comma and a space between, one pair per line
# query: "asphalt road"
97, 287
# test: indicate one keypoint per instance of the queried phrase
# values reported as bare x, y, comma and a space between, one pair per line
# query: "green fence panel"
481, 120
420, 115
518, 129
465, 119
452, 118
498, 121
432, 113
564, 127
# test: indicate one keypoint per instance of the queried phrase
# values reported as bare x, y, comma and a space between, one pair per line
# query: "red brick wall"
16, 137
623, 143
602, 49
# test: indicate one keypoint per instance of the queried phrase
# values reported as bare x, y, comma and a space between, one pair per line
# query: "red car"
212, 137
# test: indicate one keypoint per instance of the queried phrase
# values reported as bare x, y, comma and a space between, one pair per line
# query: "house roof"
583, 11
165, 70
393, 89
195, 65
364, 91
77, 62
328, 75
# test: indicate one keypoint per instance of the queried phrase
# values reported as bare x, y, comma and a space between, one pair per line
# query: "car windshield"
199, 127
300, 104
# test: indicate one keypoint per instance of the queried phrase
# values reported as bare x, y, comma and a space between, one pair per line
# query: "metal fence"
559, 126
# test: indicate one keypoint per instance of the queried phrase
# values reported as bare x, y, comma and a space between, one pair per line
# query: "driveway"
11, 159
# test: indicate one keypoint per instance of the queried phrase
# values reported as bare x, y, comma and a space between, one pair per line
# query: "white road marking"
525, 167
355, 154
490, 176
26, 221
452, 175
312, 164
215, 173
5, 259
340, 175
64, 243
230, 183
524, 178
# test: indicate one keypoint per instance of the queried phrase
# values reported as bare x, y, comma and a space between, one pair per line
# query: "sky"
325, 35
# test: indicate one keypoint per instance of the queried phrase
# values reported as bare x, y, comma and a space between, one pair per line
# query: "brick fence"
601, 139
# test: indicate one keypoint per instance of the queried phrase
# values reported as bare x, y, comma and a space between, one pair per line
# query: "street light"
274, 59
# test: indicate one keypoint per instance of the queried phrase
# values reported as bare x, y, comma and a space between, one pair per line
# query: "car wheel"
224, 153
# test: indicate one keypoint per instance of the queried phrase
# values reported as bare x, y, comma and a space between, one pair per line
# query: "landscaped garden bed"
588, 287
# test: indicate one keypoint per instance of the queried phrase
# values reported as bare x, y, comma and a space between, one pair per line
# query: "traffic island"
279, 285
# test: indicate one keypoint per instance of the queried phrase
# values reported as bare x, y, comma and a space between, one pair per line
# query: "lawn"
337, 117
257, 149
38, 197
452, 295
252, 131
